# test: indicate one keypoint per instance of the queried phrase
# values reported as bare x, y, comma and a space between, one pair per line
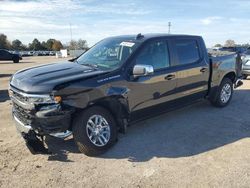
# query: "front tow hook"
35, 143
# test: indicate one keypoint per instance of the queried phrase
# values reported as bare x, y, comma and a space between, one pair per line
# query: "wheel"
244, 76
94, 131
16, 60
223, 94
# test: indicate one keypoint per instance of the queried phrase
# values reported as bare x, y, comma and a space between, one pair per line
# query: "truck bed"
213, 53
221, 62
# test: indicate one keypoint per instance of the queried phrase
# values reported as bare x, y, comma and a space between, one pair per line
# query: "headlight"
34, 98
39, 99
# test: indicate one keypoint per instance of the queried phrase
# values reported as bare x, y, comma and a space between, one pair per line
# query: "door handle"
170, 77
203, 69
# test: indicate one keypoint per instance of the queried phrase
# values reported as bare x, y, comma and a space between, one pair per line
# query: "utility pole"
70, 32
169, 27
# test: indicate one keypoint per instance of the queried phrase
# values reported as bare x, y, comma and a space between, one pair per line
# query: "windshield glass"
109, 53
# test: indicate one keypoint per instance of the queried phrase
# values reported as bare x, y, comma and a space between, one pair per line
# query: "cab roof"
144, 37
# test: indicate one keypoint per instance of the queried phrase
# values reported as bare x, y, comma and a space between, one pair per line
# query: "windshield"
109, 53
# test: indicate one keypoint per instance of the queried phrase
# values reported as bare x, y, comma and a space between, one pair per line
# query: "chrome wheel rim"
226, 93
98, 130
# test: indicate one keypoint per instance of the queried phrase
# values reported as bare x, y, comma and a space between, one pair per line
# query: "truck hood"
43, 79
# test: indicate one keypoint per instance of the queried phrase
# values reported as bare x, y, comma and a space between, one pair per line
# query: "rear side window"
187, 51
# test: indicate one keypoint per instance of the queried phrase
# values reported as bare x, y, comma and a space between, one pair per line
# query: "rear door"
193, 68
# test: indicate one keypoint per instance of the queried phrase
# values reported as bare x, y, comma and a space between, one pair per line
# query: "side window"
187, 51
155, 53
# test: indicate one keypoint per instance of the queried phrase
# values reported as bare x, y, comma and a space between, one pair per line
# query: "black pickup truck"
118, 81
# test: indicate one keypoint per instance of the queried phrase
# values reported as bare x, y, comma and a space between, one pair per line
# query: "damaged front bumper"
34, 121
46, 120
25, 129
21, 127
33, 126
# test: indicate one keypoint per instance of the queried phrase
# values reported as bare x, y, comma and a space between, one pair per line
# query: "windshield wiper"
90, 65
87, 64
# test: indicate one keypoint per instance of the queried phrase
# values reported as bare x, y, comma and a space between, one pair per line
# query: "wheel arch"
212, 94
117, 106
230, 75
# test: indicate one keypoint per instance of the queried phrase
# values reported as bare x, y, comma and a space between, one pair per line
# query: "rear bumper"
246, 71
238, 83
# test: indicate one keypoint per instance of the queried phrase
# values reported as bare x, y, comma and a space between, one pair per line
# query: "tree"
17, 45
44, 45
35, 45
230, 43
78, 45
218, 45
82, 44
247, 45
57, 45
49, 44
4, 43
72, 45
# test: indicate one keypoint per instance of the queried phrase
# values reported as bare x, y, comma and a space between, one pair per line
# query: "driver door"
150, 90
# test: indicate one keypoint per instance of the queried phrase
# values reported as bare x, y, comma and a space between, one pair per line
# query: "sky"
93, 20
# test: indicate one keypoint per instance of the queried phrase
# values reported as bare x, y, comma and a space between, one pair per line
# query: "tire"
244, 76
225, 89
82, 131
16, 60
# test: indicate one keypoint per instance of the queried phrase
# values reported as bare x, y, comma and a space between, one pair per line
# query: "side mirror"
142, 70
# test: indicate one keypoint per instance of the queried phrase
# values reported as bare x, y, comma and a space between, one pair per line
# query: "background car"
237, 49
7, 56
246, 64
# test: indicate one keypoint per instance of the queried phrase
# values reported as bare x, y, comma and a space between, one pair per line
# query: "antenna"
169, 27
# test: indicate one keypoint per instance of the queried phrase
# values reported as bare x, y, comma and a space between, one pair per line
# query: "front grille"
25, 116
19, 96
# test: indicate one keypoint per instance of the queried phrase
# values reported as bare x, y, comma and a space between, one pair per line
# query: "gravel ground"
197, 146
